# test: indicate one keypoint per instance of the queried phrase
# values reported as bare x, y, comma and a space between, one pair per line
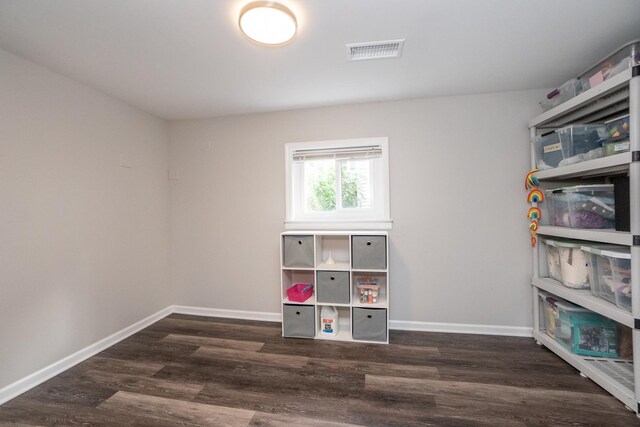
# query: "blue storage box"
579, 330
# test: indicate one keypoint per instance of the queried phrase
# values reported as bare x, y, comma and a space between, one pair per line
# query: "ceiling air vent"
375, 50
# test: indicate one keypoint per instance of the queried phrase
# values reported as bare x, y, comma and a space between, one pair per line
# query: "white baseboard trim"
461, 328
22, 385
229, 314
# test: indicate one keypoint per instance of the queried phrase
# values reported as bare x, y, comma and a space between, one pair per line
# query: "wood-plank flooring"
196, 371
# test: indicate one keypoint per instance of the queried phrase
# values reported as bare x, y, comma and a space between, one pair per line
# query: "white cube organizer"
336, 264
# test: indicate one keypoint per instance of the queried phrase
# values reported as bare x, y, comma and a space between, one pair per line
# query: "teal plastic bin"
579, 330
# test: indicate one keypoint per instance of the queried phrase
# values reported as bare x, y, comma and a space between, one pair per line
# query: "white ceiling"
184, 59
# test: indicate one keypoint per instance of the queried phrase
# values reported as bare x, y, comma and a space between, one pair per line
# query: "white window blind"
338, 153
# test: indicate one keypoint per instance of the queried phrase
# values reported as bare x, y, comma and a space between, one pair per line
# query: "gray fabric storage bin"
299, 321
333, 287
370, 324
369, 252
298, 251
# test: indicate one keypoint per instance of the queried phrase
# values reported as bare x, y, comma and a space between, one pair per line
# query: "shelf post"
634, 199
534, 250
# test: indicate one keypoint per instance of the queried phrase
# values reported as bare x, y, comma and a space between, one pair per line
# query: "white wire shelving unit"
617, 95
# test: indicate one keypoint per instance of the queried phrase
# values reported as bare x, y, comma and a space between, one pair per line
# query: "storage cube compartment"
298, 321
617, 136
369, 324
579, 330
369, 252
582, 206
332, 252
333, 287
565, 92
623, 59
369, 289
290, 278
610, 273
324, 328
297, 251
567, 262
571, 144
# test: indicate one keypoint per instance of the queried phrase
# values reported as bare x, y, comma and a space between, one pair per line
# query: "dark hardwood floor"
187, 370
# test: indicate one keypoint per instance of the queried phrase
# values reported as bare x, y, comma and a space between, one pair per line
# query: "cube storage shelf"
349, 271
616, 96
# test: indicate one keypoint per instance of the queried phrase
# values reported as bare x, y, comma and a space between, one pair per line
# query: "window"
338, 184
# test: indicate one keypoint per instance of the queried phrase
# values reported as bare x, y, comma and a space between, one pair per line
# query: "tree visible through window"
337, 184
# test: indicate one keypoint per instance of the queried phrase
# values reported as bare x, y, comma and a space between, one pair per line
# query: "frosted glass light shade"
267, 22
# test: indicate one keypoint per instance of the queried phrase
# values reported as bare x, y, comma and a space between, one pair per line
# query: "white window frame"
378, 218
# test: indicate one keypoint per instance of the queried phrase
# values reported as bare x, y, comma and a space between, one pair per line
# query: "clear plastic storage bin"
579, 330
617, 136
571, 144
582, 206
621, 60
567, 263
565, 92
610, 274
553, 259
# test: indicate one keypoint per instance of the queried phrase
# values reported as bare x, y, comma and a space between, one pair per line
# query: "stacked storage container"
623, 59
567, 263
582, 206
565, 92
617, 136
610, 273
579, 330
571, 144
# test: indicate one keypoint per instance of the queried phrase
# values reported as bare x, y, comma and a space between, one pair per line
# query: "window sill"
339, 225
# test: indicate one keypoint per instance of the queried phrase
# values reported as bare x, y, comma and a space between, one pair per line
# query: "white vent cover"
375, 50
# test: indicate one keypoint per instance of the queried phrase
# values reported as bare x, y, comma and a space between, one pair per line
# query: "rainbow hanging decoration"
531, 181
535, 196
534, 212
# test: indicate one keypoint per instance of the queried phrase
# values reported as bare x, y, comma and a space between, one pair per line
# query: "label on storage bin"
552, 147
622, 146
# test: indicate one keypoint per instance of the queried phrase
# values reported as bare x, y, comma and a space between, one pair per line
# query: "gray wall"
83, 242
459, 244
84, 247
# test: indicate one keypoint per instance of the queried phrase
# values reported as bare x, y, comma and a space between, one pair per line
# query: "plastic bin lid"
575, 188
619, 252
588, 127
562, 303
563, 243
616, 119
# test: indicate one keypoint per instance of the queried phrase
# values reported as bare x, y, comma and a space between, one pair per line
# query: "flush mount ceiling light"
267, 23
